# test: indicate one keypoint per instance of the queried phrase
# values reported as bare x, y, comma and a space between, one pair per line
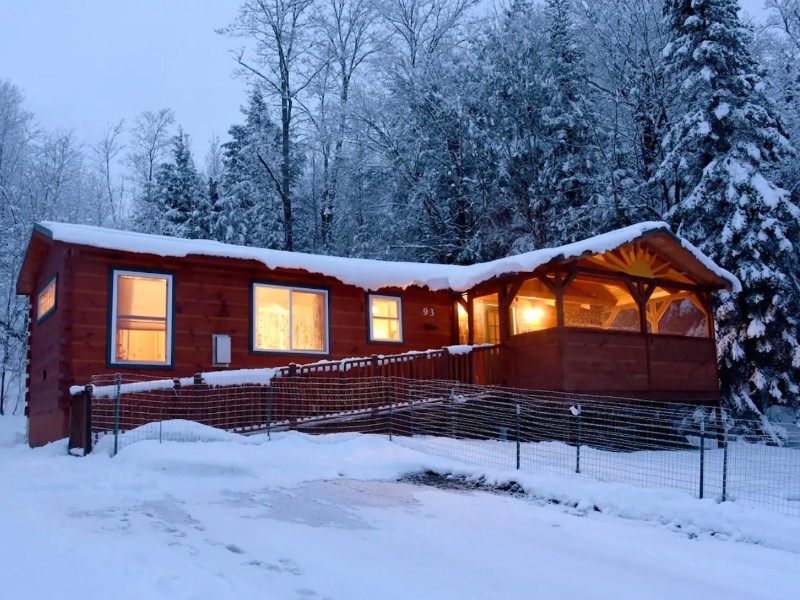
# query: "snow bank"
672, 508
174, 430
364, 273
12, 429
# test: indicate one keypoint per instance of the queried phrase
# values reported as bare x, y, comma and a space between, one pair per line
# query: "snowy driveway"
324, 518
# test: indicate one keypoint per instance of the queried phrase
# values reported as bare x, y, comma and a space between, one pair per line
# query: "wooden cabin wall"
604, 360
683, 364
48, 366
533, 361
213, 296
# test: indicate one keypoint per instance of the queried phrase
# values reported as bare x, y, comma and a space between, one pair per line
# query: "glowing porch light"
533, 316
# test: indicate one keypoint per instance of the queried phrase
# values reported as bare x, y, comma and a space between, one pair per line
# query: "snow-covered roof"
365, 273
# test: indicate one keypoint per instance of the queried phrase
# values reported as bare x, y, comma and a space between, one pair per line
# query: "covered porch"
635, 321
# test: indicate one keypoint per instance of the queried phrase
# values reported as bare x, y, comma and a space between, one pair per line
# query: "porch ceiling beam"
664, 283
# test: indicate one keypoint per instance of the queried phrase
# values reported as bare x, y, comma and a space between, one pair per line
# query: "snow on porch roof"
369, 274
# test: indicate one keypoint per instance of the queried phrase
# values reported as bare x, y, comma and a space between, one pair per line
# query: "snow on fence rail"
467, 363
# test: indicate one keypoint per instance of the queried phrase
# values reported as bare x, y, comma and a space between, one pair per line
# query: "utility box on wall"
221, 350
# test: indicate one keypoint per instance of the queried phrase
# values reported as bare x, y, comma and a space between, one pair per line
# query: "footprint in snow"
284, 565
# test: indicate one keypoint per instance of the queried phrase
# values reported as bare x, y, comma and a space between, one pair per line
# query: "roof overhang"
39, 245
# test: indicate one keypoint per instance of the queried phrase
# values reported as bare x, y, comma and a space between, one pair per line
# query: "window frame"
42, 316
370, 336
111, 358
254, 285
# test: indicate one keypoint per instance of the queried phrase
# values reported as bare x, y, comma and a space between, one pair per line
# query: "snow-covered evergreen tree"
570, 170
180, 197
720, 152
513, 63
250, 207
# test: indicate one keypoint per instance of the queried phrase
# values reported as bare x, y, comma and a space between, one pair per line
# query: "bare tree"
16, 139
105, 154
348, 27
277, 53
150, 139
785, 17
213, 160
422, 28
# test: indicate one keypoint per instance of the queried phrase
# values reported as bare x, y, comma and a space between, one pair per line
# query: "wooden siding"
683, 364
533, 360
604, 360
213, 296
657, 367
49, 373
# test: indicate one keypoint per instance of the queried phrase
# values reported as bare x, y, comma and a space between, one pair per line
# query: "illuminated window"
533, 309
676, 313
463, 323
486, 319
600, 304
141, 318
385, 319
289, 319
46, 300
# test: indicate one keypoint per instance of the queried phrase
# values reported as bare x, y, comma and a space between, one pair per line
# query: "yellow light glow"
533, 315
375, 310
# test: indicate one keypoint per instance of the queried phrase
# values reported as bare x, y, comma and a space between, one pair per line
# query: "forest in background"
440, 131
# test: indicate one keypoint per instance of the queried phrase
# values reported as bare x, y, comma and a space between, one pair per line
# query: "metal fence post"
269, 411
87, 398
519, 411
118, 383
391, 406
576, 411
724, 463
411, 418
702, 453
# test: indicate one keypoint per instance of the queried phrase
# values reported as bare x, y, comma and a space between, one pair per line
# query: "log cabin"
627, 313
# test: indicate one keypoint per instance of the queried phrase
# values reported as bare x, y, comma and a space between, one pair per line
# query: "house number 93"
428, 312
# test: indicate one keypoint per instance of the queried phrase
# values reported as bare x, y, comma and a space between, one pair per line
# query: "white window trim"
253, 317
112, 352
370, 316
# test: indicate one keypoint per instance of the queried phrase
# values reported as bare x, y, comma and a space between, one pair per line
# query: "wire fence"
696, 449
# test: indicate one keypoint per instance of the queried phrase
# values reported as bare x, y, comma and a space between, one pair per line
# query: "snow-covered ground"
325, 517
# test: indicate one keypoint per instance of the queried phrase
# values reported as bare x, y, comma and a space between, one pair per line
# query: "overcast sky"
83, 64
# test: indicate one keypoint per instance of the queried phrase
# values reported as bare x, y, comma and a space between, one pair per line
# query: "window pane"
678, 313
463, 324
385, 318
383, 307
308, 321
272, 318
141, 318
486, 319
141, 340
386, 329
47, 299
142, 296
533, 309
600, 304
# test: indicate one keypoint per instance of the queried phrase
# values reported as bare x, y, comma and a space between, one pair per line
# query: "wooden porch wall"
658, 367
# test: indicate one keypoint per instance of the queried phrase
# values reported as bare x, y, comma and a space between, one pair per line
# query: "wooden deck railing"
478, 365
117, 403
